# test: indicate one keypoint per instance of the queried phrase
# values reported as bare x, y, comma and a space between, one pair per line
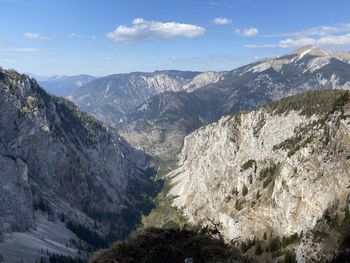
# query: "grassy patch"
163, 214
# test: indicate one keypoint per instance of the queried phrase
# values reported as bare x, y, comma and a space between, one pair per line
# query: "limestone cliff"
279, 174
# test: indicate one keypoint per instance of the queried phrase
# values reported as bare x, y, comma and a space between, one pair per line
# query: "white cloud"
324, 30
333, 40
330, 40
221, 21
35, 36
250, 32
289, 42
247, 32
20, 49
336, 35
314, 31
146, 30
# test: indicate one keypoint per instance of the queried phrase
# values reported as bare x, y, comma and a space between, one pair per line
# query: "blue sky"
49, 37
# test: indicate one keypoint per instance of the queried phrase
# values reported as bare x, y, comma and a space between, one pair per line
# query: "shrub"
318, 236
268, 171
258, 250
239, 204
267, 182
290, 257
275, 244
290, 240
265, 236
248, 164
244, 190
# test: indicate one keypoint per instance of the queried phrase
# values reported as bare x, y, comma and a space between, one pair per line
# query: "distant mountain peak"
311, 50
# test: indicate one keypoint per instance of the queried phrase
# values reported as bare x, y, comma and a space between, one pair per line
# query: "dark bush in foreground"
168, 245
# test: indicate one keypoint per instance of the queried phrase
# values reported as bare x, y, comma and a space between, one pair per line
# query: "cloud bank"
147, 30
335, 35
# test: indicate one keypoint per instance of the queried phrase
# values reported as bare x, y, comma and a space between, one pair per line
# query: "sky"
101, 37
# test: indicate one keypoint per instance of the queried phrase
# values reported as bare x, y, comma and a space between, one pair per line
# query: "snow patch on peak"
311, 50
306, 52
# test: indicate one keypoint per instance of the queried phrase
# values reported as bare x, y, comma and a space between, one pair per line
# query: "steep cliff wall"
272, 172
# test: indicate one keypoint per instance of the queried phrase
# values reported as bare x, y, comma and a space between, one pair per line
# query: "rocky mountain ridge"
62, 171
111, 97
245, 88
275, 179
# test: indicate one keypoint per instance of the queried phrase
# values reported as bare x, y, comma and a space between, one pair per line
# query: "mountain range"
258, 156
154, 111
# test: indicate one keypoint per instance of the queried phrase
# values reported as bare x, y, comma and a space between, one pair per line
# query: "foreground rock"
171, 246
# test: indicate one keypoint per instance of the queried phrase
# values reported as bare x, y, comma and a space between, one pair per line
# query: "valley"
252, 161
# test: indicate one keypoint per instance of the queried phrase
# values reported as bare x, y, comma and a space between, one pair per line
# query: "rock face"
271, 173
59, 161
203, 79
111, 97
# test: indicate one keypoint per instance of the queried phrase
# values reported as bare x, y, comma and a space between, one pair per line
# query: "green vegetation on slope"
311, 102
163, 214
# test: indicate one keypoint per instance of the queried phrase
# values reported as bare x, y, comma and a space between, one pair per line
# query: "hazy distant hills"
64, 85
